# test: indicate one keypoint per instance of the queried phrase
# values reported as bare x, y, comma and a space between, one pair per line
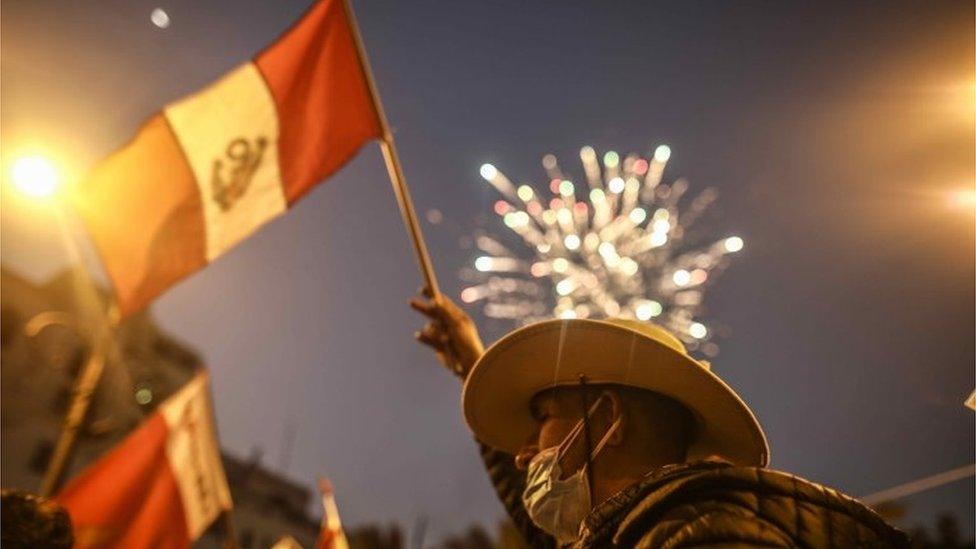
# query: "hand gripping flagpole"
393, 166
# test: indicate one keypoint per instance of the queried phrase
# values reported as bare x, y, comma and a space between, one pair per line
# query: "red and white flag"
331, 534
210, 169
161, 487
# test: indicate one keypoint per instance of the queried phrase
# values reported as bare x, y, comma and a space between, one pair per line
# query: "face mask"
557, 505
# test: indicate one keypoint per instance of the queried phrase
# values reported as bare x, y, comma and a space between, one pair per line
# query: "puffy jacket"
713, 504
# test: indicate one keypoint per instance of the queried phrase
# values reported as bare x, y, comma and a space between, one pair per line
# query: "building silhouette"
37, 377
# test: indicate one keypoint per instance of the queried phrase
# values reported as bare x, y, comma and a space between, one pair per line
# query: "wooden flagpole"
393, 166
100, 338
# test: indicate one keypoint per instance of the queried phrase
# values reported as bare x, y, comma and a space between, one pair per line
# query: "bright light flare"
572, 242
566, 188
648, 309
35, 176
662, 153
616, 185
697, 330
734, 244
963, 199
488, 171
638, 215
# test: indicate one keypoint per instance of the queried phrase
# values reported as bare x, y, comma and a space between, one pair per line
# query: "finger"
429, 309
437, 344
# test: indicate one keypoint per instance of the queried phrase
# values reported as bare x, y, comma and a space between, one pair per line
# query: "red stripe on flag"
129, 498
142, 208
325, 111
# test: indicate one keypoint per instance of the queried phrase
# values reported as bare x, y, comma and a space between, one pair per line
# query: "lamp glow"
35, 176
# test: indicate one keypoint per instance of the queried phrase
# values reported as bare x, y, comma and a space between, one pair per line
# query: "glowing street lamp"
963, 199
35, 176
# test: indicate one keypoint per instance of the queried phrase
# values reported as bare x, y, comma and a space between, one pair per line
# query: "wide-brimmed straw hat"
500, 386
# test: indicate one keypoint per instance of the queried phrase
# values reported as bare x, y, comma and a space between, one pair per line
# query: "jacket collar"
603, 520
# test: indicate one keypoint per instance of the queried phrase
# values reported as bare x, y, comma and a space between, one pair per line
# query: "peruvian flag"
161, 488
210, 169
331, 534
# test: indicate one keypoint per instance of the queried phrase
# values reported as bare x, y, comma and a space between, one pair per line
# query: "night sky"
837, 133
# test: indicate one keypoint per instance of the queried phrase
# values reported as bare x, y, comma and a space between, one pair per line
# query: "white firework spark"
611, 247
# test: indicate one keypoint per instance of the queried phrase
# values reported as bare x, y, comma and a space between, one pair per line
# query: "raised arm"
454, 337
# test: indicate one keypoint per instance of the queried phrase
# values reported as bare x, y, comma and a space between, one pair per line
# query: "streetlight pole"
37, 177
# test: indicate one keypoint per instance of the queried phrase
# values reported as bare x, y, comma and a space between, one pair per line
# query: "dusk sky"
840, 136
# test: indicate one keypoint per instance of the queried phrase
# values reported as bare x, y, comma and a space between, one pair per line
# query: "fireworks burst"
612, 248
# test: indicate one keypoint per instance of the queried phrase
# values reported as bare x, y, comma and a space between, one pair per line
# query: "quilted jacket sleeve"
509, 483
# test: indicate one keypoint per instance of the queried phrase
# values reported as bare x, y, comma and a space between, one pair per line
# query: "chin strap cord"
586, 436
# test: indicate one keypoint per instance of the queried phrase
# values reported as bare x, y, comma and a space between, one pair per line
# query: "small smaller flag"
971, 401
331, 535
161, 487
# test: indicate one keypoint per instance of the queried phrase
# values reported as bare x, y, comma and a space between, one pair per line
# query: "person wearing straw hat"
607, 433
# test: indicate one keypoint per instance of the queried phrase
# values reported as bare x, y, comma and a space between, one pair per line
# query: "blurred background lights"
35, 176
565, 287
469, 295
648, 309
611, 242
662, 153
616, 185
434, 216
549, 161
483, 263
638, 215
697, 330
566, 187
733, 244
572, 242
144, 395
488, 171
159, 18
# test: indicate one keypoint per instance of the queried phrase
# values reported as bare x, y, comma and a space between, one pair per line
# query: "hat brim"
500, 386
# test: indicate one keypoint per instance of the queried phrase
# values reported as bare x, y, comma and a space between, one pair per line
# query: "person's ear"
618, 413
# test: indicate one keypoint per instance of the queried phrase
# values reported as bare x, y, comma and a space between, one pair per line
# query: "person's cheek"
552, 433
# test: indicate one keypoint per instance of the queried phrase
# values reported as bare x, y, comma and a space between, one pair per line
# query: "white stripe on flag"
229, 133
191, 449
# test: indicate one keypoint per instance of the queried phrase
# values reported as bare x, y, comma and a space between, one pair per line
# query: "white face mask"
557, 505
